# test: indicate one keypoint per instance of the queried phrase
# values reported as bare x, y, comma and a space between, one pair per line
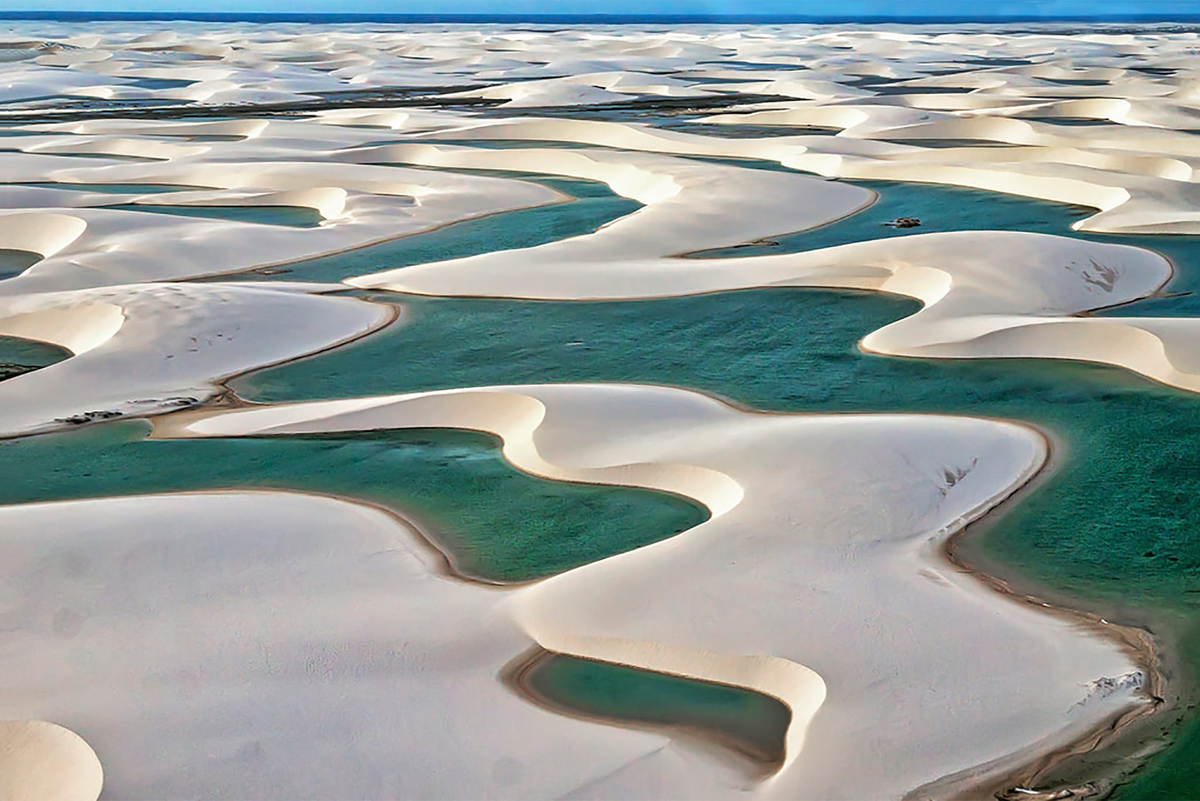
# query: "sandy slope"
87, 245
149, 348
286, 646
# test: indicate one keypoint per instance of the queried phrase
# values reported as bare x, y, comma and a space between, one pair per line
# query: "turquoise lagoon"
15, 262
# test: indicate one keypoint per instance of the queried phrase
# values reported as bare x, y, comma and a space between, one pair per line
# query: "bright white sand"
689, 205
243, 639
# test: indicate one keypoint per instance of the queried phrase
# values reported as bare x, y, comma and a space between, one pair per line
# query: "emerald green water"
948, 208
939, 208
19, 356
748, 721
594, 205
498, 523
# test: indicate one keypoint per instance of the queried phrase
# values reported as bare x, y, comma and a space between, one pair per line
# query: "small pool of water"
1117, 523
155, 83
753, 724
15, 262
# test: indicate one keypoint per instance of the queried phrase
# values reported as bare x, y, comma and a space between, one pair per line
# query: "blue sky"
1048, 8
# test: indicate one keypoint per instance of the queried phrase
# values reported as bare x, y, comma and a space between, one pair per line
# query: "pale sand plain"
819, 577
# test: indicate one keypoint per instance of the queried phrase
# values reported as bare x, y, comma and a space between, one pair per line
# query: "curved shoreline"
995, 584
514, 675
1142, 645
974, 676
698, 255
366, 333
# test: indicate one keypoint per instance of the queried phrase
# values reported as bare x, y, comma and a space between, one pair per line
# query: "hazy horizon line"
665, 18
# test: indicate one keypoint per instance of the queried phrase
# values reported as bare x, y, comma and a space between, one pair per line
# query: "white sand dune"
288, 646
689, 205
244, 638
776, 485
44, 234
1110, 171
146, 349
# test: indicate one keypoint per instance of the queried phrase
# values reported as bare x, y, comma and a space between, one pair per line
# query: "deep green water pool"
1117, 523
796, 350
747, 721
949, 208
